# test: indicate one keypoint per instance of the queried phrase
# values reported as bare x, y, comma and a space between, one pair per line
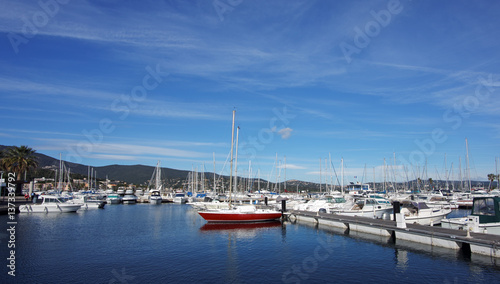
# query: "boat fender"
46, 210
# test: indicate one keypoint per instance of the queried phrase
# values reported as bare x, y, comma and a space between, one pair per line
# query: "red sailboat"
238, 213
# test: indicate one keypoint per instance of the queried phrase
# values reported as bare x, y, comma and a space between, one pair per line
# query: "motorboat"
129, 197
50, 204
114, 199
326, 204
420, 213
180, 197
89, 201
155, 197
484, 217
368, 207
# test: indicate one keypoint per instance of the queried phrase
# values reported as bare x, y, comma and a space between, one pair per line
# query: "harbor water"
171, 243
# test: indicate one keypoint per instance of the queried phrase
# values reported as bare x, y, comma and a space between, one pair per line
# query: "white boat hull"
113, 201
465, 224
49, 208
155, 201
377, 213
434, 219
180, 200
91, 205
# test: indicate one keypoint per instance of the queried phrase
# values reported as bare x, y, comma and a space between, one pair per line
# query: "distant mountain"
135, 174
138, 174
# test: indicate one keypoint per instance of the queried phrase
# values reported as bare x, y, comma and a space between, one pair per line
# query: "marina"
172, 243
364, 142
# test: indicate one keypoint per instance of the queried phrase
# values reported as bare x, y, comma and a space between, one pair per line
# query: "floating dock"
477, 243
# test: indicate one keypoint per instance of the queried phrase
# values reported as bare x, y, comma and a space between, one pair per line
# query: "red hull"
239, 217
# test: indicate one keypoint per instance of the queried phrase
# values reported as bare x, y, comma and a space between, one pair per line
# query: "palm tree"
491, 178
19, 160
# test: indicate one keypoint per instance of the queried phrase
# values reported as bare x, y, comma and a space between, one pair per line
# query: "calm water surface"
171, 243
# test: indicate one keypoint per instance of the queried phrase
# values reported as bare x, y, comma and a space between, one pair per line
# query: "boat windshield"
484, 207
335, 200
62, 200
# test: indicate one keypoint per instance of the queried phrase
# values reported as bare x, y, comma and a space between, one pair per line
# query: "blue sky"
129, 82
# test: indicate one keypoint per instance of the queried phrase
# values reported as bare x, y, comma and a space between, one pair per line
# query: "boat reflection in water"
234, 227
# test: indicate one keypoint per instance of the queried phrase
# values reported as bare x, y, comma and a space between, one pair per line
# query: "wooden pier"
477, 243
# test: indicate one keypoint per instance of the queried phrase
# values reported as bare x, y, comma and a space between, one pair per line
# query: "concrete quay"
475, 243
4, 204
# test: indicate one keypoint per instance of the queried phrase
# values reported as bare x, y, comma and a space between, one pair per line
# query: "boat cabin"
50, 199
487, 209
358, 188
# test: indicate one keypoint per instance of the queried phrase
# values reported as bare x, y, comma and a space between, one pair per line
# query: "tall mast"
384, 176
258, 184
88, 176
59, 186
277, 166
158, 173
373, 182
202, 177
498, 175
446, 171
231, 162
332, 188
236, 161
342, 175
285, 176
460, 172
249, 174
214, 174
319, 175
467, 162
394, 172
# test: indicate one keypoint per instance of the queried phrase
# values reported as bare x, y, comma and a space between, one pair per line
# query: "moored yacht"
113, 198
368, 207
155, 197
49, 204
420, 213
180, 197
484, 217
129, 197
89, 201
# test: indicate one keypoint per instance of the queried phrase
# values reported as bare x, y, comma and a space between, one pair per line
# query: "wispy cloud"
285, 133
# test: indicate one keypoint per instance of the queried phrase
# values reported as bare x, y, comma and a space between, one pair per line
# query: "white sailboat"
155, 193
